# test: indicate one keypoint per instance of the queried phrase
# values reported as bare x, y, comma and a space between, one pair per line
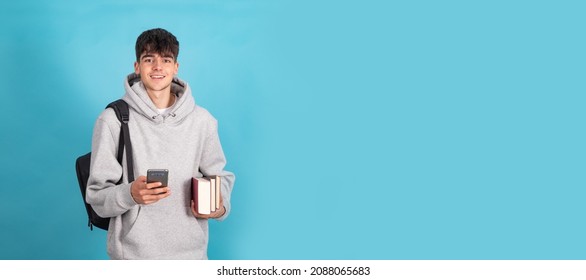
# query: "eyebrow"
152, 55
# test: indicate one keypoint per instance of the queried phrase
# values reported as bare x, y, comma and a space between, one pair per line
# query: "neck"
162, 99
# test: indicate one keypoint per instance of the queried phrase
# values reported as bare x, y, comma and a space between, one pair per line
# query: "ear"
176, 68
136, 69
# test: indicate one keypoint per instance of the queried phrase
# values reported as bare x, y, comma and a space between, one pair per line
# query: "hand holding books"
212, 215
206, 196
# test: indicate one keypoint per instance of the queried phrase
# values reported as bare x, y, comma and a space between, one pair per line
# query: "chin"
158, 86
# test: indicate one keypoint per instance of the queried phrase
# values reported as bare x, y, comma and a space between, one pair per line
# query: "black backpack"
82, 164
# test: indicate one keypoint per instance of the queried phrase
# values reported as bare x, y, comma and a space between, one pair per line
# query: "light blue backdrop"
357, 129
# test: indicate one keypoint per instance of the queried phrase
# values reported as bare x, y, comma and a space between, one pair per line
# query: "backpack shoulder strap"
123, 114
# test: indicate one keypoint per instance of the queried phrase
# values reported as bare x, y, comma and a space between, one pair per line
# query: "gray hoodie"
185, 141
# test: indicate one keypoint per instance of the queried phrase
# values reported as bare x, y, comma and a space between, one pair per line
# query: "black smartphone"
158, 175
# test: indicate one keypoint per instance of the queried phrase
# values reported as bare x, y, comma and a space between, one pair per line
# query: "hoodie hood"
138, 99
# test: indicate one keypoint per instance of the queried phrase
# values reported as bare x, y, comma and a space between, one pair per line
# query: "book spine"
218, 191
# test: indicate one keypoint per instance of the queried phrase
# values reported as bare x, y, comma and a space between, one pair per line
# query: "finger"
146, 192
154, 185
160, 196
201, 216
218, 213
164, 195
155, 197
147, 202
149, 199
198, 215
155, 191
160, 190
194, 212
193, 209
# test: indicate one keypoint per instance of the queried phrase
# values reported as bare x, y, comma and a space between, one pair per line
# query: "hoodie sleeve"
213, 162
106, 197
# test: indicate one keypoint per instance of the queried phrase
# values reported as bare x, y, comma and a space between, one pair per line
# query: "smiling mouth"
157, 77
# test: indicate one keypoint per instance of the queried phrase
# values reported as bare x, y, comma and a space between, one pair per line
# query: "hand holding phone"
158, 175
138, 187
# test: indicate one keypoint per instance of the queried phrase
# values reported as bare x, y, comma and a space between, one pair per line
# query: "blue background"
357, 129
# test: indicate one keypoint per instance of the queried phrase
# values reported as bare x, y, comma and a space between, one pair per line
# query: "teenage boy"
168, 131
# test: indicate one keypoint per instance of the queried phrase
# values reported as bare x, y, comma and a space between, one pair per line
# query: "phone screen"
158, 175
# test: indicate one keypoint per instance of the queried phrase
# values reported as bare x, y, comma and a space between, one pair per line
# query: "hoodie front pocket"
166, 233
129, 220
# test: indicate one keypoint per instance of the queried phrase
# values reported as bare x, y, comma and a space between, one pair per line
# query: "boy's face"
156, 71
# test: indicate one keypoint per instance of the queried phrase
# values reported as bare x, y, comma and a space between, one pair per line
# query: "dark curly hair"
159, 41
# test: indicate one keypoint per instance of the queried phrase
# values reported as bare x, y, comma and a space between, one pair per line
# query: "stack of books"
205, 192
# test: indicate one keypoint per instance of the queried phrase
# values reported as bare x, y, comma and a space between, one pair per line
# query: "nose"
157, 64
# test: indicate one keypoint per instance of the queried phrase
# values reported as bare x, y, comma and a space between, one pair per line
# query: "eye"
147, 60
168, 60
